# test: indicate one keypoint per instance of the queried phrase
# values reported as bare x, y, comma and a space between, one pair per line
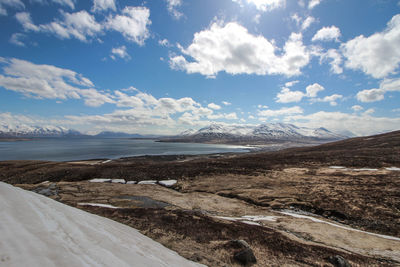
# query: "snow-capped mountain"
267, 132
23, 130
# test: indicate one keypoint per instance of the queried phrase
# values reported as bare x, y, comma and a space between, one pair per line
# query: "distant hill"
250, 134
25, 131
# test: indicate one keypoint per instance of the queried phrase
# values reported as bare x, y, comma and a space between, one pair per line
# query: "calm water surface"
60, 149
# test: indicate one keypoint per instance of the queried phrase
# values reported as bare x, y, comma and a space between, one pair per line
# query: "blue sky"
161, 67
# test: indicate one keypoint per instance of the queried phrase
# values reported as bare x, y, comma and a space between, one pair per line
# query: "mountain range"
269, 132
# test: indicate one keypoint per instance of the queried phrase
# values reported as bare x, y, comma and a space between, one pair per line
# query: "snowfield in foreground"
38, 231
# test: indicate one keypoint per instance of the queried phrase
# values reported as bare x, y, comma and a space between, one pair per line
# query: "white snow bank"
249, 219
131, 182
297, 215
38, 231
100, 180
337, 167
98, 205
118, 181
167, 183
148, 182
365, 169
393, 169
106, 161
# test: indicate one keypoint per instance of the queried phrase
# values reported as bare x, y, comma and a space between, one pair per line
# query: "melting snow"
131, 182
393, 169
38, 231
365, 169
148, 182
253, 220
106, 161
98, 205
168, 183
118, 181
100, 180
337, 167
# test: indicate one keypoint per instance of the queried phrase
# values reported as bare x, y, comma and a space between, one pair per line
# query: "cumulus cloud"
26, 21
231, 48
47, 81
307, 23
288, 96
332, 99
357, 108
17, 4
373, 95
132, 24
16, 38
164, 42
313, 3
172, 6
100, 5
313, 89
214, 106
335, 60
280, 112
377, 55
120, 52
343, 122
69, 3
263, 5
331, 33
291, 83
226, 103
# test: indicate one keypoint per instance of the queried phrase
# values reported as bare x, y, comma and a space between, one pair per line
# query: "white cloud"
231, 48
291, 83
359, 124
16, 39
357, 108
313, 3
288, 96
172, 8
280, 112
132, 24
226, 103
263, 5
69, 3
79, 25
313, 89
372, 95
26, 21
214, 106
336, 60
377, 55
331, 33
120, 52
307, 23
17, 4
332, 99
369, 111
164, 42
100, 5
47, 81
296, 18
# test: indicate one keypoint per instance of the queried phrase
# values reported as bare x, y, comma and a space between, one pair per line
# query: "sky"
165, 66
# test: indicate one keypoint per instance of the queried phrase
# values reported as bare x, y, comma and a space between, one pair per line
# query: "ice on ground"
365, 169
131, 182
337, 167
251, 223
100, 180
297, 215
118, 181
38, 231
167, 183
393, 169
98, 205
258, 218
148, 182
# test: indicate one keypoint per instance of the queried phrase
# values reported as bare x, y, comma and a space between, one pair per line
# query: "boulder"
245, 256
339, 261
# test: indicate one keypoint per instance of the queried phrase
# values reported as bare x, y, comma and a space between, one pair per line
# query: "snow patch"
38, 231
131, 182
393, 169
106, 161
337, 167
148, 182
118, 181
98, 205
365, 169
100, 180
167, 183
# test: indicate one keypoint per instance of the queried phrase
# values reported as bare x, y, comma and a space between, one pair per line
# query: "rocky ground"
307, 206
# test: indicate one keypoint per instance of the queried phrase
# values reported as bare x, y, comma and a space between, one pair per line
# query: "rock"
339, 261
245, 256
240, 244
